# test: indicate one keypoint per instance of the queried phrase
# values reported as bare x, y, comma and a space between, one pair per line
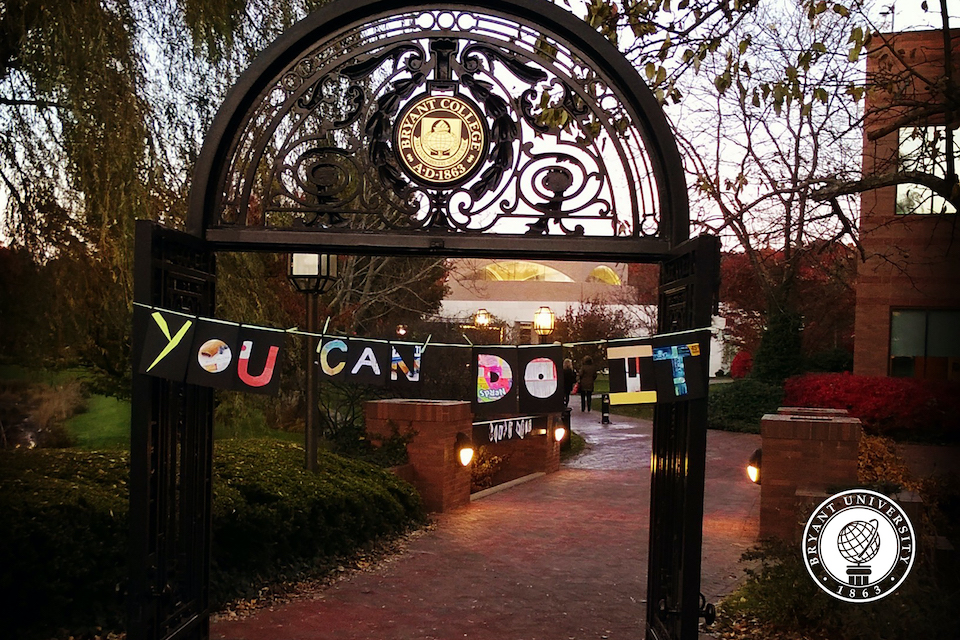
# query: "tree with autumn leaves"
823, 296
767, 101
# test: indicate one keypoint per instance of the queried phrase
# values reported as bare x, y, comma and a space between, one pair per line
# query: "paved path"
561, 557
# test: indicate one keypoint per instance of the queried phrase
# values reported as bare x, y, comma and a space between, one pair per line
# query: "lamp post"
481, 319
544, 321
311, 274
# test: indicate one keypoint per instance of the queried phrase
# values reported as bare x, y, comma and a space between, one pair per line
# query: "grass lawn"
44, 376
104, 425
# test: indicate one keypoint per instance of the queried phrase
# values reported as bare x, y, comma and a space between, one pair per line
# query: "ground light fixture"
464, 449
559, 433
543, 321
753, 466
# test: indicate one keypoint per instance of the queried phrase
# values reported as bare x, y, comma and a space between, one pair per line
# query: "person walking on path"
588, 375
569, 379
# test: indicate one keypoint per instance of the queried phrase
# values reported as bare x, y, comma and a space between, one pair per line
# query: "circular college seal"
859, 545
441, 140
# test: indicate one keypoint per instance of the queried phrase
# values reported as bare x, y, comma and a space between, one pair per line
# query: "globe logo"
440, 141
859, 541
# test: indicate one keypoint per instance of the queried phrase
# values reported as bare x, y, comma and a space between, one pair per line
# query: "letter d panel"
495, 371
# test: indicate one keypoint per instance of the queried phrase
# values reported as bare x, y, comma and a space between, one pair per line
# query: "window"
520, 271
925, 343
924, 149
605, 275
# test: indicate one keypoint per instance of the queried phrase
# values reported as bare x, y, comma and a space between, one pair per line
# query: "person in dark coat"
569, 379
588, 375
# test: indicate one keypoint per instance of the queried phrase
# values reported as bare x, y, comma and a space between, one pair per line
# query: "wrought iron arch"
560, 137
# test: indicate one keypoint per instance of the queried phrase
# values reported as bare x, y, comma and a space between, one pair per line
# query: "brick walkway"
562, 556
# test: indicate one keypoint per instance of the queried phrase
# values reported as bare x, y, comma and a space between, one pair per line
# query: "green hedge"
63, 552
271, 517
64, 549
739, 405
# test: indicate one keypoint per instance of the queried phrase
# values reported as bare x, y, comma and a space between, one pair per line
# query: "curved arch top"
376, 126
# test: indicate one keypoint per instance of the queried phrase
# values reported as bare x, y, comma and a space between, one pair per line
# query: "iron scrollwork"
559, 153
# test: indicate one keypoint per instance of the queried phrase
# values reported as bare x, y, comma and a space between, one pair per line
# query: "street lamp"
311, 274
543, 321
482, 319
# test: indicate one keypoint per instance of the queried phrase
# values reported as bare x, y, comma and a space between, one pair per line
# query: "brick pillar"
806, 452
437, 474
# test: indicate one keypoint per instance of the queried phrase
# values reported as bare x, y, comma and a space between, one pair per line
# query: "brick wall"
532, 454
805, 453
912, 261
442, 481
433, 467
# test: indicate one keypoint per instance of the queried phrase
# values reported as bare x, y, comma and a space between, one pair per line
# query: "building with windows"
908, 289
513, 290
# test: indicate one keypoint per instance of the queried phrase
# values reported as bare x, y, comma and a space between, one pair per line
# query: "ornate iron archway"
574, 146
393, 127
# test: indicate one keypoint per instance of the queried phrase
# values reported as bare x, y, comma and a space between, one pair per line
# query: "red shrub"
922, 408
742, 365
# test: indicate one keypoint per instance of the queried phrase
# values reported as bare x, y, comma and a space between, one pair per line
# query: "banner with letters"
517, 379
210, 353
508, 379
541, 386
494, 368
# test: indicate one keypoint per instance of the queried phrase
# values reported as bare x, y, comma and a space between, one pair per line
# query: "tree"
96, 131
592, 321
755, 145
710, 37
103, 107
376, 293
824, 294
908, 90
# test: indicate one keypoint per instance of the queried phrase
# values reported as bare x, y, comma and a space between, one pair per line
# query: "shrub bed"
64, 553
903, 408
779, 600
739, 405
